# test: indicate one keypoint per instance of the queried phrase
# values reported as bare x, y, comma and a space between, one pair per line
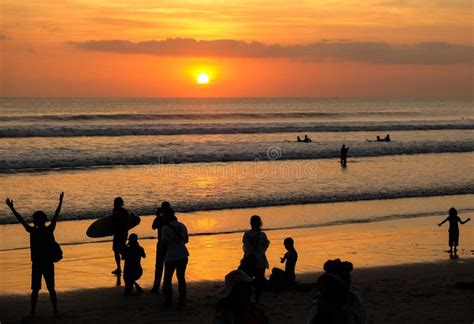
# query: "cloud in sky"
367, 52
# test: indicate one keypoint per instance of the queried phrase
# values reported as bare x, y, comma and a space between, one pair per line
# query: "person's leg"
34, 300
138, 288
35, 286
48, 273
118, 269
159, 264
170, 267
128, 287
181, 274
259, 283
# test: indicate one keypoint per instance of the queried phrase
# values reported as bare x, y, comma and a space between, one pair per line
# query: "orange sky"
305, 48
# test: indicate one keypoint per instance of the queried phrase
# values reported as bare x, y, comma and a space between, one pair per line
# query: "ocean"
214, 154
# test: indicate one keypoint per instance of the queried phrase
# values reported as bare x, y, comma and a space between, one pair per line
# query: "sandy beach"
416, 293
401, 271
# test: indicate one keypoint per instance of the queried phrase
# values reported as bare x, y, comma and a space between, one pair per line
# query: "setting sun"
203, 78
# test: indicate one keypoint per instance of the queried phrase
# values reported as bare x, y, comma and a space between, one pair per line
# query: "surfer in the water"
344, 151
307, 139
387, 138
121, 225
453, 230
298, 139
42, 253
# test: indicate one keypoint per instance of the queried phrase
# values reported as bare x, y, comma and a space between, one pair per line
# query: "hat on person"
233, 278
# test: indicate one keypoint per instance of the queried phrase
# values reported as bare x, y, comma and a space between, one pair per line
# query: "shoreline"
401, 241
407, 293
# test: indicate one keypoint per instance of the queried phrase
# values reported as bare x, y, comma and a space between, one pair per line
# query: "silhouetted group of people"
306, 139
334, 303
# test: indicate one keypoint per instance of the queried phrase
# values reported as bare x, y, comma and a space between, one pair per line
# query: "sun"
202, 78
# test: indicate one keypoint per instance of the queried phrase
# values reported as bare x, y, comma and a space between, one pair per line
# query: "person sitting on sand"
132, 270
175, 237
42, 253
453, 230
236, 307
121, 219
254, 262
387, 138
335, 302
307, 139
161, 214
284, 280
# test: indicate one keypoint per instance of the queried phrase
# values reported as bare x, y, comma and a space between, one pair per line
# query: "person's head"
133, 239
340, 268
118, 202
256, 222
332, 288
165, 205
39, 218
453, 212
238, 286
289, 243
305, 136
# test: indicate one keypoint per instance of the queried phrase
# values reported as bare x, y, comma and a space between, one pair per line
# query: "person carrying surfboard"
163, 213
42, 250
121, 219
175, 237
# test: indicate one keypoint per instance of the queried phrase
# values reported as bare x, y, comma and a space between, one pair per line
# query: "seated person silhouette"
307, 139
132, 270
285, 280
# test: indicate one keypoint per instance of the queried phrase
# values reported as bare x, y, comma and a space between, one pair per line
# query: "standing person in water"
121, 224
132, 269
344, 151
174, 238
453, 230
41, 249
161, 214
254, 263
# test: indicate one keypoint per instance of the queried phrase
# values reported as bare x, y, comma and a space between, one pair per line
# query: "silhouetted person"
42, 255
161, 214
387, 138
298, 139
284, 280
344, 151
121, 225
236, 306
334, 301
254, 263
132, 270
307, 139
380, 139
175, 237
453, 230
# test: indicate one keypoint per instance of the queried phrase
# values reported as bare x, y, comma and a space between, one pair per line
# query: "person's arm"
20, 219
143, 253
246, 244
266, 242
155, 223
58, 210
467, 220
443, 222
185, 236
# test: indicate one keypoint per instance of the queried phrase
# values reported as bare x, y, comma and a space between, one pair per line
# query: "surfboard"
105, 226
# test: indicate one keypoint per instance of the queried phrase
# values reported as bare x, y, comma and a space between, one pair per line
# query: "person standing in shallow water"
344, 151
255, 244
174, 239
161, 214
41, 249
453, 230
121, 224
